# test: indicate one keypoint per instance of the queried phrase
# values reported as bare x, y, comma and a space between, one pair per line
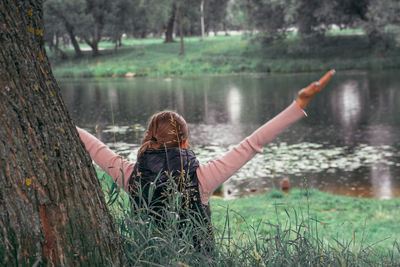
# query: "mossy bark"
52, 209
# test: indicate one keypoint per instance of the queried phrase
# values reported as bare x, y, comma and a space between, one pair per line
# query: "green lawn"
362, 221
227, 54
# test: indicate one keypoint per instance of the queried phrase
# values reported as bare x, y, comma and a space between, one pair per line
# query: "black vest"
158, 174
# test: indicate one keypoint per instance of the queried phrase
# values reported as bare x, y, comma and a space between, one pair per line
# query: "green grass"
304, 228
227, 54
368, 221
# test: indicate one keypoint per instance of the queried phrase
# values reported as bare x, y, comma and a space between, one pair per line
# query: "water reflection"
381, 180
349, 103
234, 105
357, 115
381, 177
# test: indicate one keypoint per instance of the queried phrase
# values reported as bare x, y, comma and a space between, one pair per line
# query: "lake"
349, 144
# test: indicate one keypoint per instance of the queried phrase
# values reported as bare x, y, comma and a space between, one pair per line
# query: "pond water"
349, 144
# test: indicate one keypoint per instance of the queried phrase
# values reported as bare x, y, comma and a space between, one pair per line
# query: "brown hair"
165, 129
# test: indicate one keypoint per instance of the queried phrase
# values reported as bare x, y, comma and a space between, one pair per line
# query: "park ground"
216, 55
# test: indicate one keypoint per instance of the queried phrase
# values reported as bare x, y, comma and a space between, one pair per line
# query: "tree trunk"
202, 19
52, 208
59, 51
75, 44
182, 50
170, 26
94, 45
120, 40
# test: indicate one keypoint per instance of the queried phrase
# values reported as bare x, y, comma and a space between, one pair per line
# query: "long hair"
165, 129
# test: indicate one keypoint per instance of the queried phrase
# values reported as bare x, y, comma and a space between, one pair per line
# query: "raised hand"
306, 94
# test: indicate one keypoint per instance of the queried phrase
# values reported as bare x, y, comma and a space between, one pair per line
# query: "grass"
228, 54
304, 228
337, 217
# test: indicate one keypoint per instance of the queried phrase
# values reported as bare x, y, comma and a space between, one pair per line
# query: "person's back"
164, 183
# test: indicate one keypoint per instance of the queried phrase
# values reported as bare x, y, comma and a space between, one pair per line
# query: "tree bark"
52, 208
170, 26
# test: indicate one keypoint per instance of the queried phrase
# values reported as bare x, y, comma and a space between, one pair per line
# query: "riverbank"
225, 55
354, 223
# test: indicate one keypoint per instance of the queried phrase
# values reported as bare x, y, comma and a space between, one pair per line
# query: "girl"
164, 154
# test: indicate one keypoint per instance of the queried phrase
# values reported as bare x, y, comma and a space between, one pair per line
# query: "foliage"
92, 20
379, 17
312, 18
215, 15
64, 18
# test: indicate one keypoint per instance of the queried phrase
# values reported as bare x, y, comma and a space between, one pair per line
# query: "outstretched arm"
107, 159
215, 172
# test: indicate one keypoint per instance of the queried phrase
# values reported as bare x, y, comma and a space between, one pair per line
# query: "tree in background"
147, 17
236, 15
312, 18
90, 20
54, 31
169, 27
202, 19
64, 16
53, 210
216, 14
119, 20
269, 17
382, 18
153, 16
85, 19
96, 15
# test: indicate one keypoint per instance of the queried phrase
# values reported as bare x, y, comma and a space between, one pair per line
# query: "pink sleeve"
106, 158
215, 172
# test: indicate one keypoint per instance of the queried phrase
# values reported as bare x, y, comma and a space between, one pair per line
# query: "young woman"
164, 154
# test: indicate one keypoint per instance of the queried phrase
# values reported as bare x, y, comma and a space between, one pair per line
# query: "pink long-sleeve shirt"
210, 175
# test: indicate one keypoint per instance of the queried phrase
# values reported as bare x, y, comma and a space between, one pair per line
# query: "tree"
85, 19
96, 14
149, 16
378, 16
71, 15
52, 208
169, 29
215, 14
54, 30
269, 17
119, 20
202, 19
236, 15
180, 19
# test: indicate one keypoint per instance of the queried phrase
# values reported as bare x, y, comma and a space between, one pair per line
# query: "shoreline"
225, 55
